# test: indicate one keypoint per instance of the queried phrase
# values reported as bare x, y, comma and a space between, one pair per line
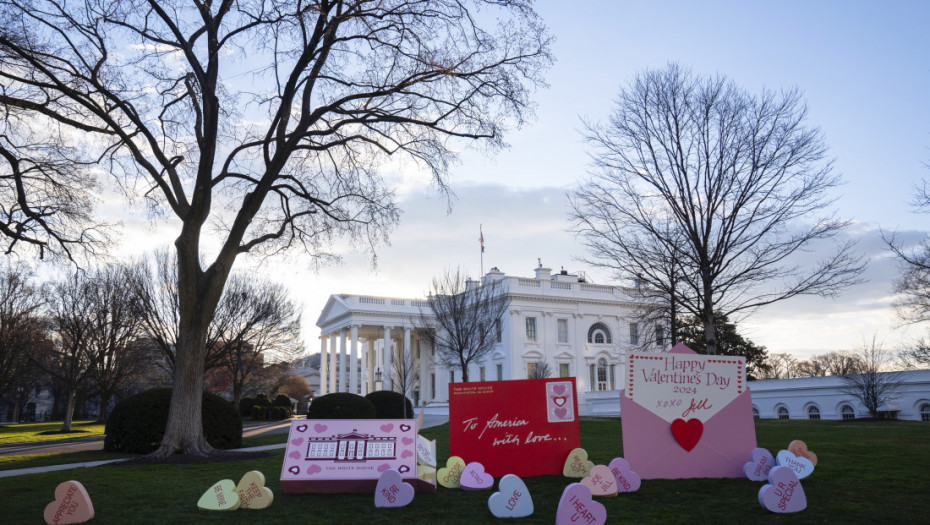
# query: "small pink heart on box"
558, 389
313, 469
392, 491
627, 480
319, 428
383, 467
760, 463
297, 442
576, 503
294, 454
783, 493
561, 412
406, 453
404, 428
406, 440
387, 428
475, 478
601, 481
72, 504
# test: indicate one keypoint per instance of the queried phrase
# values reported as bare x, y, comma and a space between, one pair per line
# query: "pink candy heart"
576, 506
760, 463
783, 493
627, 480
601, 481
392, 491
475, 478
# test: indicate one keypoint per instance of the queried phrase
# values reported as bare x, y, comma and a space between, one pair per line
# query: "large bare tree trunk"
69, 411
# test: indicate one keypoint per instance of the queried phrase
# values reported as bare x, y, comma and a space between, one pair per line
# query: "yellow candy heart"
426, 473
577, 464
253, 494
221, 496
450, 475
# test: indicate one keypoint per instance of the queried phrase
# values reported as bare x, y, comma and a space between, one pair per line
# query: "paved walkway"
58, 446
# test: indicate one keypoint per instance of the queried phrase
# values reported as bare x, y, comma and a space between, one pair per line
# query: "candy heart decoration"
426, 451
513, 500
601, 481
426, 473
760, 463
253, 494
783, 493
221, 496
799, 449
392, 491
687, 433
72, 505
577, 464
802, 467
627, 480
576, 506
475, 478
450, 475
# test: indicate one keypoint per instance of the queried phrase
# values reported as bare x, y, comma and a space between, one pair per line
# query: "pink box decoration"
348, 455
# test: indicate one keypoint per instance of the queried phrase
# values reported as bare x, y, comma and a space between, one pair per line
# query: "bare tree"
780, 366
405, 372
540, 370
727, 185
288, 157
69, 360
462, 320
295, 386
20, 303
117, 357
259, 324
916, 356
829, 364
873, 384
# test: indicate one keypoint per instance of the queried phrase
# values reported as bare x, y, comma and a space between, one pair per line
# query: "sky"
863, 69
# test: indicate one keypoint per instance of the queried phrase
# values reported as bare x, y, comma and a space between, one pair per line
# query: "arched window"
847, 412
602, 374
599, 334
813, 412
925, 412
782, 413
755, 413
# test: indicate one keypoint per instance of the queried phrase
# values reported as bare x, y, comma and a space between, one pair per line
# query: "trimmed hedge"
341, 405
245, 406
137, 423
282, 400
390, 405
262, 400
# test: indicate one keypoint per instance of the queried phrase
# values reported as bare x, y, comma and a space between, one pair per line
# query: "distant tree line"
100, 334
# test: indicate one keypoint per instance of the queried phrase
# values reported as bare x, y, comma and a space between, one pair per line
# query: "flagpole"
481, 240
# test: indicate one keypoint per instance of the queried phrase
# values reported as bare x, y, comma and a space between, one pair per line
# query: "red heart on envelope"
559, 400
687, 433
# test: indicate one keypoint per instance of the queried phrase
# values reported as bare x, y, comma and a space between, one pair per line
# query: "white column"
388, 355
344, 363
366, 373
353, 360
332, 363
424, 371
323, 362
406, 358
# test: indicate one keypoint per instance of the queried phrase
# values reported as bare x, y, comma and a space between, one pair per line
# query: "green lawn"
25, 432
868, 472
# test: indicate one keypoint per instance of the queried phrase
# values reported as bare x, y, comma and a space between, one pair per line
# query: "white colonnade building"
579, 329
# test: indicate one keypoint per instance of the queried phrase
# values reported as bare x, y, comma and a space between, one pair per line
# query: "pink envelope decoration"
686, 415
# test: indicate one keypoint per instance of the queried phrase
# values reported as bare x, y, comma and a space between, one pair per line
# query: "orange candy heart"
72, 505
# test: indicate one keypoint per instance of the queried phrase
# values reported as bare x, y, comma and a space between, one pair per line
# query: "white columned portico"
353, 360
388, 361
333, 362
344, 363
323, 361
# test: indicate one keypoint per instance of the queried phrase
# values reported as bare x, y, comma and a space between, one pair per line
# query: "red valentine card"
526, 427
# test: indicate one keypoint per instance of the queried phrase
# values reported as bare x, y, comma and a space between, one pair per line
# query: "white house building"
579, 329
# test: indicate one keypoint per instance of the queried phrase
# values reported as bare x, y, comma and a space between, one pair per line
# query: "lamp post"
378, 384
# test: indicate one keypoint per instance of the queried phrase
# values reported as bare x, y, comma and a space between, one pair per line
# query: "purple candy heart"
475, 478
391, 490
627, 480
760, 463
576, 506
783, 493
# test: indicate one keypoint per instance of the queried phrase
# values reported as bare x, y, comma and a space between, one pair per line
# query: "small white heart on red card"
392, 491
72, 505
559, 400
